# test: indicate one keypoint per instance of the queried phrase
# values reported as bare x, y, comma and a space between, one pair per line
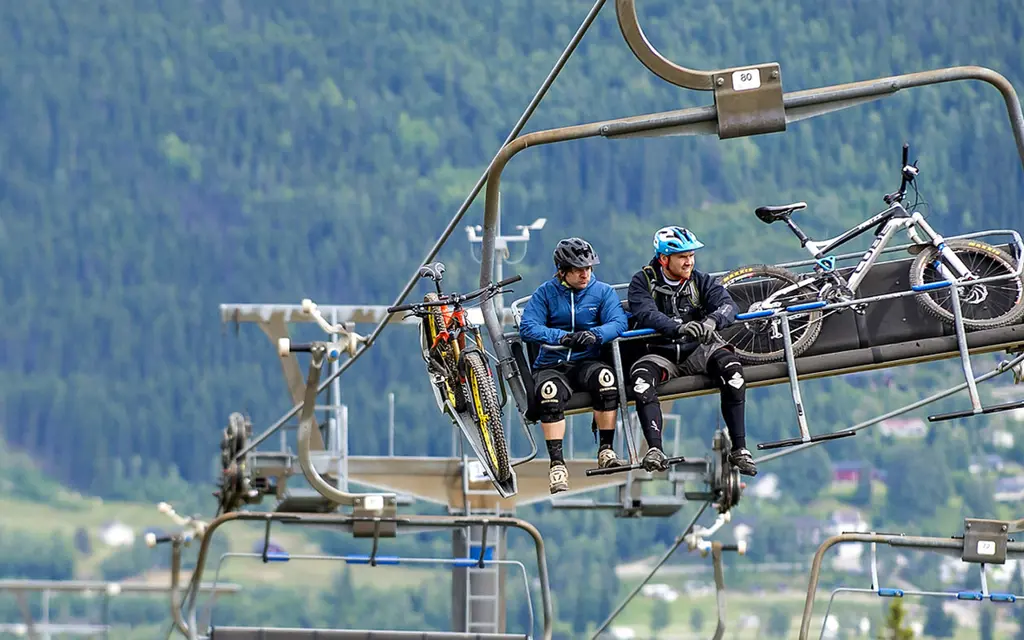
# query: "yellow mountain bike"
458, 366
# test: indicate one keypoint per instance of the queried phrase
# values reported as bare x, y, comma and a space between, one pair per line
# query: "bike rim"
755, 336
986, 301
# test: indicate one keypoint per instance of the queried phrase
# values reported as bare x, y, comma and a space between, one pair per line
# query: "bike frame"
890, 221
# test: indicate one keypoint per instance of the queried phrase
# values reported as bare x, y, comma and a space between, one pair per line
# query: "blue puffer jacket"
555, 309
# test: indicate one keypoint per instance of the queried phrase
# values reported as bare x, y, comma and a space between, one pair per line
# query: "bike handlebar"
455, 298
907, 174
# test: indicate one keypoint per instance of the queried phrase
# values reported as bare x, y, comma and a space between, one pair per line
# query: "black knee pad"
729, 376
552, 394
603, 390
643, 380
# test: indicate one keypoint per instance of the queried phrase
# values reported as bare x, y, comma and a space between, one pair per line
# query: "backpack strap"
651, 277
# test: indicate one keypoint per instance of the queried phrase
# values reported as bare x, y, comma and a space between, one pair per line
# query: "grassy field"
241, 537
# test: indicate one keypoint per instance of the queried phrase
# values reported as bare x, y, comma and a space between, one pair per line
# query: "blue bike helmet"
669, 240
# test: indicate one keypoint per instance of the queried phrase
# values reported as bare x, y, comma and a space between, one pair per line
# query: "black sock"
555, 451
733, 414
650, 422
607, 438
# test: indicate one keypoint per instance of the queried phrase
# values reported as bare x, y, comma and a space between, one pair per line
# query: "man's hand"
703, 331
578, 339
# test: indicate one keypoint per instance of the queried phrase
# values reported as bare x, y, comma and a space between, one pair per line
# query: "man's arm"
533, 325
613, 318
720, 304
642, 306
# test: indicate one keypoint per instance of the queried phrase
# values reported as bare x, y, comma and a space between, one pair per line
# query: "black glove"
703, 331
578, 339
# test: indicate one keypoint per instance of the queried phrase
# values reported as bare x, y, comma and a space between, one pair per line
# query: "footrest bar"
1006, 406
792, 442
632, 467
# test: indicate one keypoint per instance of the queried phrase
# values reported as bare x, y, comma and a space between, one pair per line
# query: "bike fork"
947, 254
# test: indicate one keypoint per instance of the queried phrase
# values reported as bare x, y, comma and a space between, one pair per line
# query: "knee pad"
603, 390
644, 379
552, 394
729, 374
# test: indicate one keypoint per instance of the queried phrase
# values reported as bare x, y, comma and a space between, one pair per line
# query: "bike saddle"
770, 214
433, 270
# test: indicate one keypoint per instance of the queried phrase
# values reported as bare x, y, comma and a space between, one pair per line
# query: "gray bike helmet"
574, 253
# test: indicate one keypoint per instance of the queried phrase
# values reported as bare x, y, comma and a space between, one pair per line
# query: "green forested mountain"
159, 159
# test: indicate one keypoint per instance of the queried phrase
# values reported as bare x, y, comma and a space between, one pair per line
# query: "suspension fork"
947, 254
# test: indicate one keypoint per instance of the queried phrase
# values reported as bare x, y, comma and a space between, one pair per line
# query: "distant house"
848, 472
116, 534
848, 520
1009, 489
766, 487
1001, 438
903, 428
986, 463
848, 556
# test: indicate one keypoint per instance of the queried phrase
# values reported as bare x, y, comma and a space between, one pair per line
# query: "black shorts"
573, 375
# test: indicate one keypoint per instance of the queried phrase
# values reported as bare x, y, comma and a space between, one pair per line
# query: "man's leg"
727, 371
599, 380
644, 378
553, 392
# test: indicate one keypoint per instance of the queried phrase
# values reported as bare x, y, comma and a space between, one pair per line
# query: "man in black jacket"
687, 308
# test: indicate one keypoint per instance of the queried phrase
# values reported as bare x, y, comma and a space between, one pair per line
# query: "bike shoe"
654, 460
606, 458
558, 478
742, 460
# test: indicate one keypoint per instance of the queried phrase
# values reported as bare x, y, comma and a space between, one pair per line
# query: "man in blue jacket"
570, 316
687, 308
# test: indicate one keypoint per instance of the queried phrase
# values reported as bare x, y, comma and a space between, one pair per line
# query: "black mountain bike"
985, 305
458, 366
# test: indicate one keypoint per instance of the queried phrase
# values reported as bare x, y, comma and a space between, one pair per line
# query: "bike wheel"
760, 341
445, 356
487, 413
983, 306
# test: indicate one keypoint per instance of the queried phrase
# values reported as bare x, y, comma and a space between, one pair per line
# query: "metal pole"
46, 614
572, 438
961, 342
716, 561
794, 383
499, 263
391, 424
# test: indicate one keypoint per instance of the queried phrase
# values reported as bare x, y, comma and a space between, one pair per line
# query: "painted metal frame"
948, 546
356, 559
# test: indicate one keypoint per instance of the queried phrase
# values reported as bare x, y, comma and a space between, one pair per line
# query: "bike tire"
803, 335
971, 253
450, 387
487, 413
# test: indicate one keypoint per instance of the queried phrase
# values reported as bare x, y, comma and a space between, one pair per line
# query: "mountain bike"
986, 305
453, 349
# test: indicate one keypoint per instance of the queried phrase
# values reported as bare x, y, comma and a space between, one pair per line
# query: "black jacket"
698, 298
